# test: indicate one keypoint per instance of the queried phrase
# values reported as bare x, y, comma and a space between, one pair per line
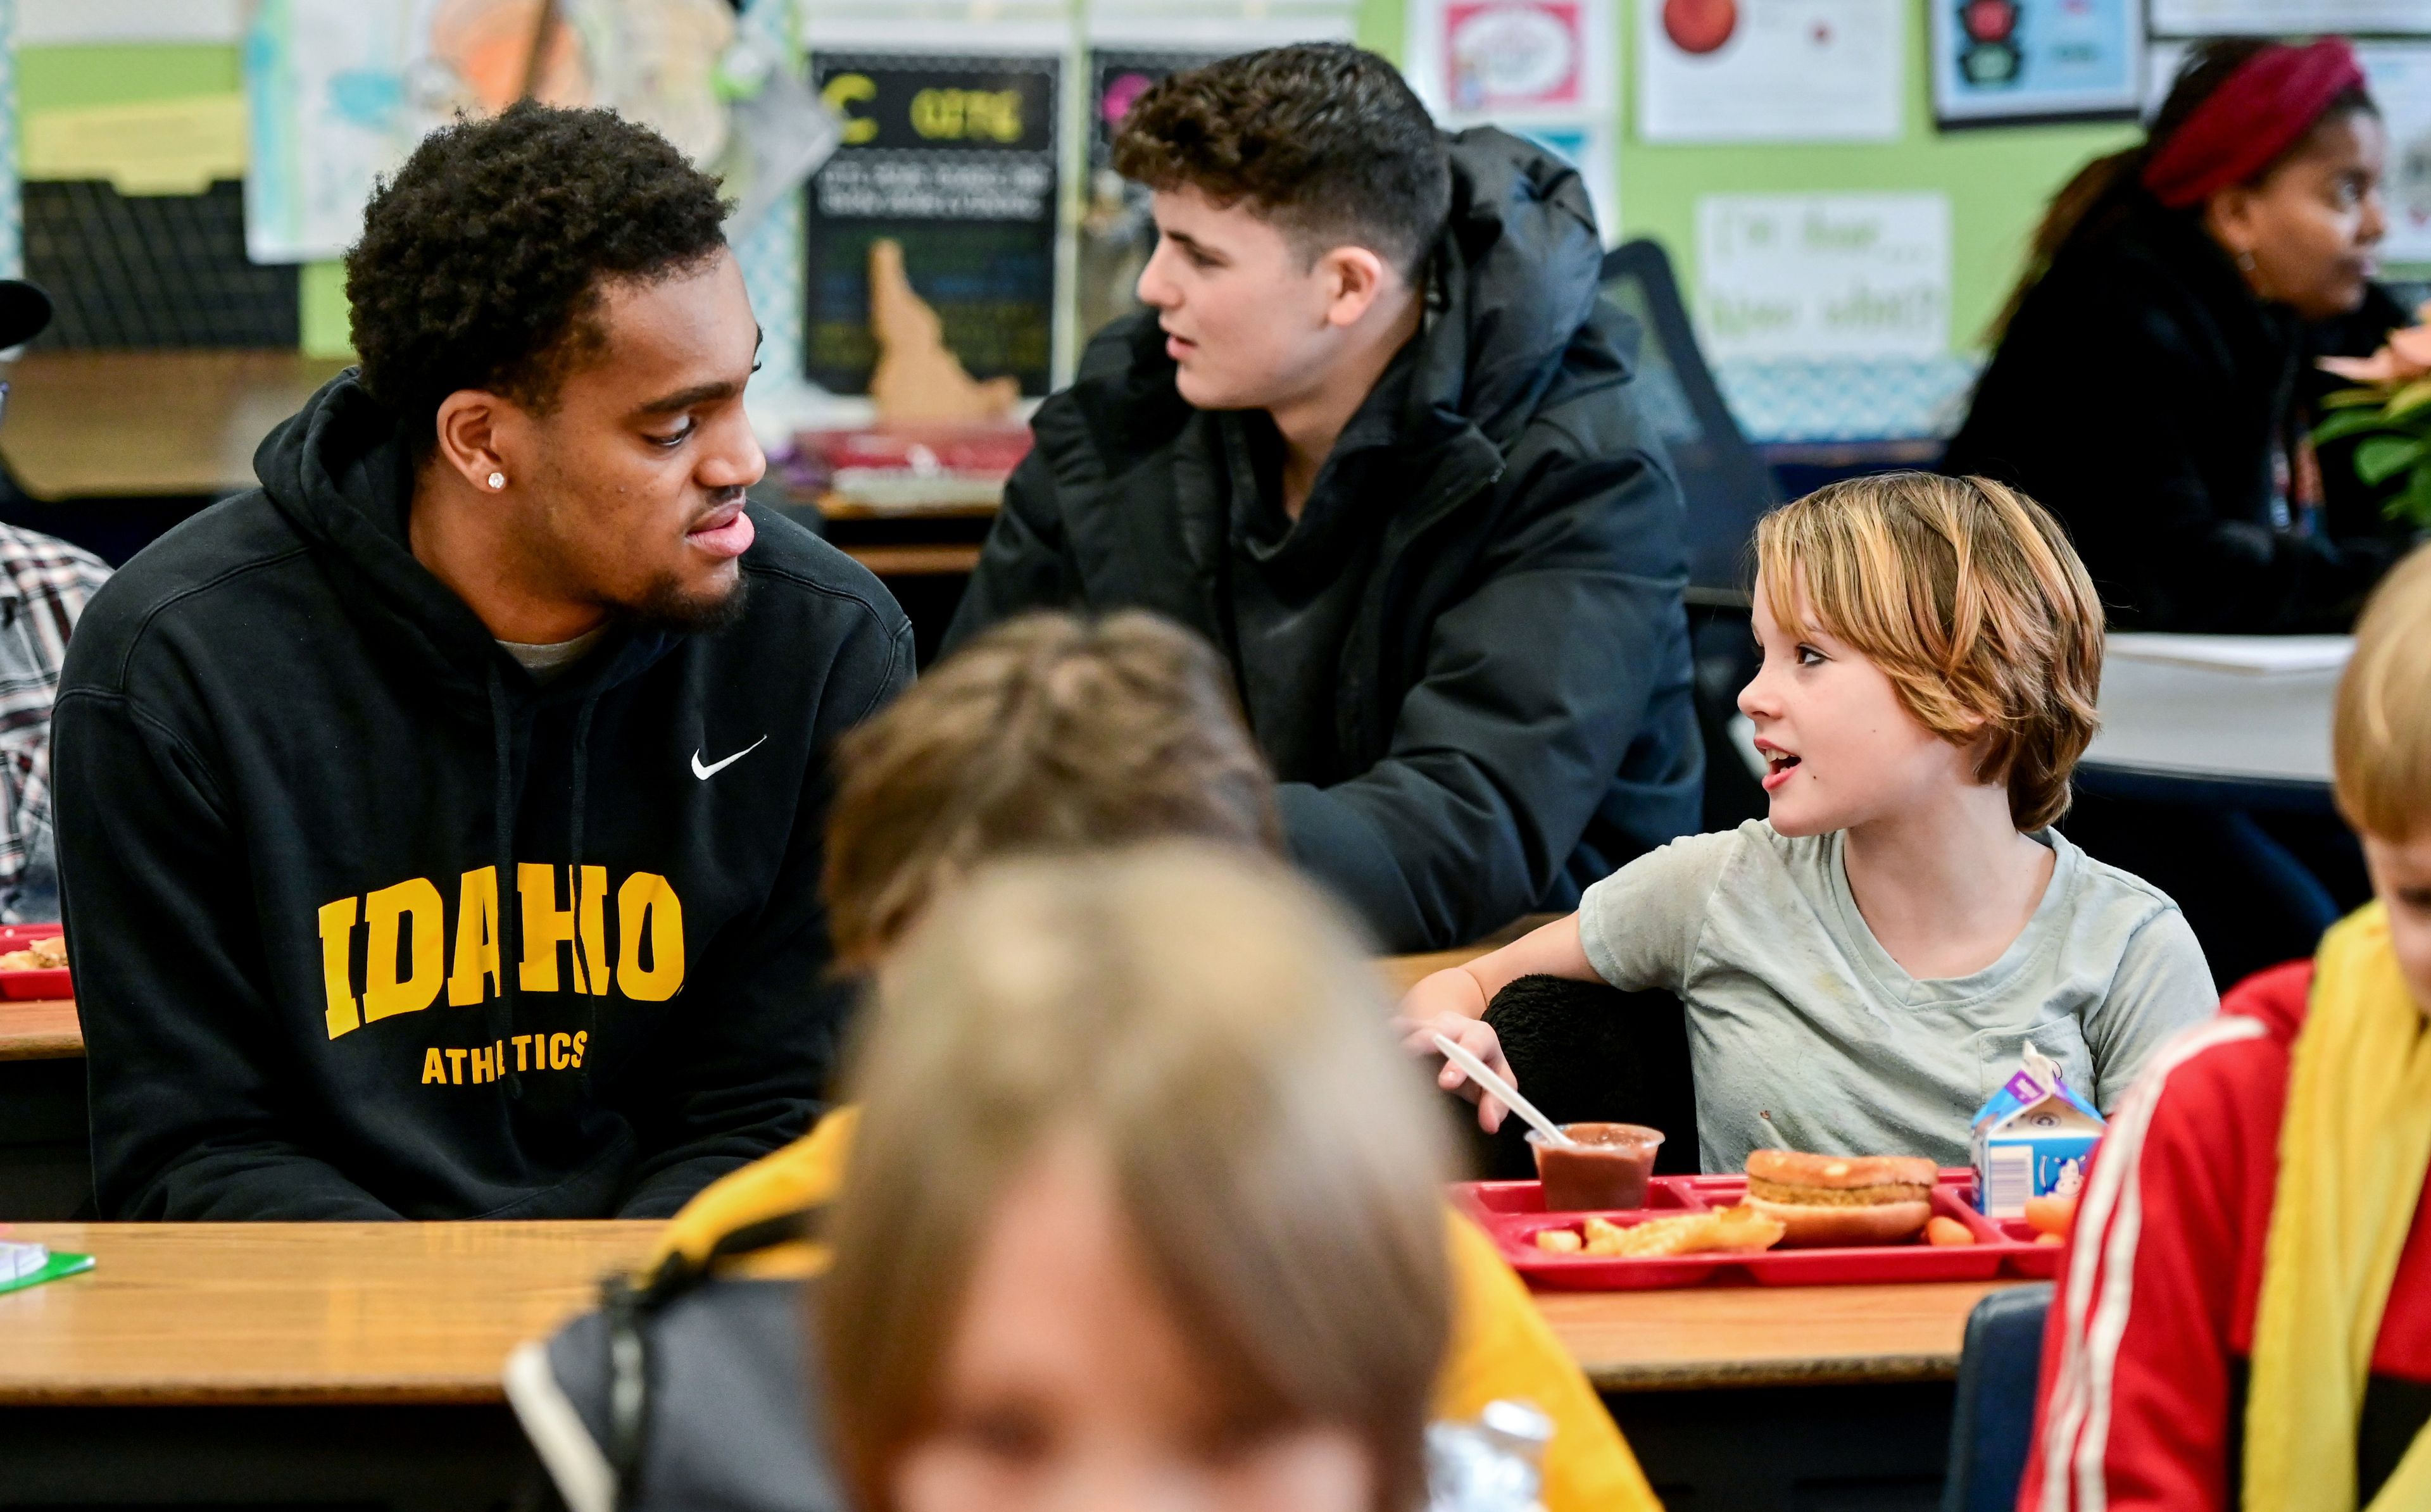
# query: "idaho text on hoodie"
366, 923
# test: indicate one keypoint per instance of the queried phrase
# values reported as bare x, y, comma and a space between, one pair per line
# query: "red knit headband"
2262, 109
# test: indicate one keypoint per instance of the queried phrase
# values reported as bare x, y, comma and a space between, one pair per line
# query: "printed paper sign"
1769, 70
1475, 59
2400, 75
2211, 18
1808, 275
2028, 59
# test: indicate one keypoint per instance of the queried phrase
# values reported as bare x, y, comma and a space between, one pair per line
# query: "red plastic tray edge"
31, 986
1511, 1212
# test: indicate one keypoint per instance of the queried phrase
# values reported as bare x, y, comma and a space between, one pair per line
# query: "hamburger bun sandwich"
1842, 1199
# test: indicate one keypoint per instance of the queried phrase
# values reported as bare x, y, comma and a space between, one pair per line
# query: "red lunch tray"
1512, 1212
52, 984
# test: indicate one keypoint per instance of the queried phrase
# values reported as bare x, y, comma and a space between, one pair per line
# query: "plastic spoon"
1508, 1094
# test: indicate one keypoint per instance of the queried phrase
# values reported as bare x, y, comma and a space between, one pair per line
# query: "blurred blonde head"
1209, 1030
1047, 733
1969, 598
2380, 736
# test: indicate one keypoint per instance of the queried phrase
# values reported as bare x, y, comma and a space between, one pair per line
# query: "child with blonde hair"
1865, 965
1143, 1208
2243, 1315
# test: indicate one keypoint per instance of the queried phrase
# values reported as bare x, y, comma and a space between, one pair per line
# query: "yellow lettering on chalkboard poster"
847, 90
964, 115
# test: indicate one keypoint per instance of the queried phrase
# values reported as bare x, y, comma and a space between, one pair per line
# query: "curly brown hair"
1048, 733
1323, 139
481, 262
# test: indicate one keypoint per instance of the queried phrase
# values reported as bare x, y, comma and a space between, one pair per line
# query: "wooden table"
115, 425
363, 1313
40, 1029
336, 1360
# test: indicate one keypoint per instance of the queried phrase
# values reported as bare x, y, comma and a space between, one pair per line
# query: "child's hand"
1476, 1037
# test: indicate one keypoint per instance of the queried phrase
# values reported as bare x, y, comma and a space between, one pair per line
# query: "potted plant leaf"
2387, 413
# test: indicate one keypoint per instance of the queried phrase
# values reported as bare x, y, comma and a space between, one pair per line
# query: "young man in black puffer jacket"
1374, 438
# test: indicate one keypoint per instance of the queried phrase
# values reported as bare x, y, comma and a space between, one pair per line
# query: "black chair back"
1992, 1425
1724, 484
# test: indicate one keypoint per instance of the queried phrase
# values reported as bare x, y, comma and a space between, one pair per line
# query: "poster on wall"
2400, 80
2213, 18
2036, 59
1774, 70
339, 92
1823, 275
953, 158
1507, 58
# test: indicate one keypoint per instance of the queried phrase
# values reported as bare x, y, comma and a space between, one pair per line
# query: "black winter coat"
1508, 714
2146, 398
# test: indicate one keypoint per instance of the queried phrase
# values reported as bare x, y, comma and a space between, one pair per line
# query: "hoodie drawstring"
502, 815
594, 983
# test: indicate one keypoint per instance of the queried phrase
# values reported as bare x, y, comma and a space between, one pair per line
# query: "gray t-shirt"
548, 660
1795, 1010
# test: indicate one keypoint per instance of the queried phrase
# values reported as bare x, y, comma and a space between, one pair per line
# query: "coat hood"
1517, 273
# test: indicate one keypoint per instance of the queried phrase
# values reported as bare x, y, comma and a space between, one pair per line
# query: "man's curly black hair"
481, 262
1324, 138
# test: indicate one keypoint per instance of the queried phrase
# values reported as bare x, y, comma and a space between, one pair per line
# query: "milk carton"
2034, 1138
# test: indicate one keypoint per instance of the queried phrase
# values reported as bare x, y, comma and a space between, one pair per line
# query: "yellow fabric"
2354, 1145
1501, 1347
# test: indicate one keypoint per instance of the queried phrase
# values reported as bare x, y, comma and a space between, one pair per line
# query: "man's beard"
666, 606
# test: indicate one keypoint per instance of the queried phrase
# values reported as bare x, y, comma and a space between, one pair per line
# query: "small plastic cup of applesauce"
1609, 1167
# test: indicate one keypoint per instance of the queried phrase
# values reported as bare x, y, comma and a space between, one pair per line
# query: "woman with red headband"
2152, 380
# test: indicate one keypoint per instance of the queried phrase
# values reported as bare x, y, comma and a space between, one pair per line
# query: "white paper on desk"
2254, 654
18, 1261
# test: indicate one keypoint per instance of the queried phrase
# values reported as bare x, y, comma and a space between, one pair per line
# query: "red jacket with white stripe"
2144, 1359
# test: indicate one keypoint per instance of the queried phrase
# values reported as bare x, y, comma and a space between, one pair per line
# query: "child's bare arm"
1452, 1003
1552, 951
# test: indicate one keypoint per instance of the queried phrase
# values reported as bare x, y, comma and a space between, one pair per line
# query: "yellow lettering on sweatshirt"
337, 932
561, 1048
547, 926
456, 1058
477, 940
523, 1044
580, 1036
412, 908
432, 1071
648, 895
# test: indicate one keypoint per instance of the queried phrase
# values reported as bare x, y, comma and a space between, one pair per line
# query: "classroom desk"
2184, 734
120, 425
270, 1361
40, 1029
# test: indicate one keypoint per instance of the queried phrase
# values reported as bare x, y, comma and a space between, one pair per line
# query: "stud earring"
2244, 263
497, 480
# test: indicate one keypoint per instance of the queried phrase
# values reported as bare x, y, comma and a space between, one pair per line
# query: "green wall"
1997, 178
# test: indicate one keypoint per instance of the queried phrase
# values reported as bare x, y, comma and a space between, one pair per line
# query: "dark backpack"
690, 1391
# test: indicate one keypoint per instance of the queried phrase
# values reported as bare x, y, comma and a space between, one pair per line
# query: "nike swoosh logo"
704, 774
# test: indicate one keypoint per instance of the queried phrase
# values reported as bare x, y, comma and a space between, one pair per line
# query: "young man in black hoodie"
1373, 436
439, 823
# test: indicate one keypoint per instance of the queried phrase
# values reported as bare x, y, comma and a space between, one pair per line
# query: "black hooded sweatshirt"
1468, 659
292, 768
